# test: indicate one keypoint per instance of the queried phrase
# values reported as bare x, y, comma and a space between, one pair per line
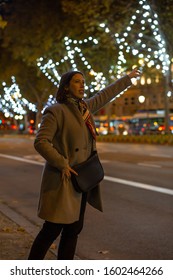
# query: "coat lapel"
72, 107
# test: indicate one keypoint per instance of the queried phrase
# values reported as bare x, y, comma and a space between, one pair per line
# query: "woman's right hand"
66, 172
135, 73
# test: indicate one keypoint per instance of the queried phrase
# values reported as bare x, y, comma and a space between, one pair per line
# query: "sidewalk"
15, 240
17, 235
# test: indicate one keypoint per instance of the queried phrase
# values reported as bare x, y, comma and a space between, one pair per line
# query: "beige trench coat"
63, 139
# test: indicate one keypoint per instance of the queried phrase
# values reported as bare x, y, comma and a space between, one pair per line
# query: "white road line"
104, 161
139, 163
161, 155
139, 185
107, 178
149, 165
22, 159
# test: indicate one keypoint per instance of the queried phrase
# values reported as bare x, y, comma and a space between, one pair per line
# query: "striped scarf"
82, 106
87, 118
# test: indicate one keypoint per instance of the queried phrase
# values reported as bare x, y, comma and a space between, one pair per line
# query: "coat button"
77, 149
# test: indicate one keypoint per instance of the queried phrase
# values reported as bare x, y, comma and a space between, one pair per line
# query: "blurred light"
141, 99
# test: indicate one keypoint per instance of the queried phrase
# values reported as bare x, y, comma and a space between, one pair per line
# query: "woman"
67, 136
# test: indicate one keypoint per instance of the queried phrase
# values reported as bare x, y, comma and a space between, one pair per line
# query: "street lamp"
141, 99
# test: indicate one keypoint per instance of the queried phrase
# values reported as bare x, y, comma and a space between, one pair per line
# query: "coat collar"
72, 107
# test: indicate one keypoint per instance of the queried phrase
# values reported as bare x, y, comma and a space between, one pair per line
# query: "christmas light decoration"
155, 56
71, 51
148, 53
12, 102
51, 101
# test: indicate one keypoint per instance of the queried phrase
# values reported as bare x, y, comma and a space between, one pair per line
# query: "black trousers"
68, 241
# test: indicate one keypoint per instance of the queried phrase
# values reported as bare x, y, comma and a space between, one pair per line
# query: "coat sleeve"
43, 143
104, 96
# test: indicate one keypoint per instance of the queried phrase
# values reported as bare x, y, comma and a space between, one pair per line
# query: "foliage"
91, 13
36, 29
33, 28
165, 11
116, 14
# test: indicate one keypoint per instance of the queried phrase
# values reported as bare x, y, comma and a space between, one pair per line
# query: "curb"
29, 227
19, 220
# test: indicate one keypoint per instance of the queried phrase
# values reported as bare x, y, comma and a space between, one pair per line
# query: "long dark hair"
61, 94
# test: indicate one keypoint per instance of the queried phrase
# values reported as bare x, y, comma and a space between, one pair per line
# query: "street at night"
137, 192
76, 77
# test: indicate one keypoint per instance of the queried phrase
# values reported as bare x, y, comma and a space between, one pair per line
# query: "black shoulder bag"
90, 174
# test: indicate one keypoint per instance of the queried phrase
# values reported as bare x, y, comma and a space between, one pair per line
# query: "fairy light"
51, 100
140, 49
72, 51
13, 104
160, 57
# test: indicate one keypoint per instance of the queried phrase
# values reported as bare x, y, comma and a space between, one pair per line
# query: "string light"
144, 18
13, 104
72, 51
158, 59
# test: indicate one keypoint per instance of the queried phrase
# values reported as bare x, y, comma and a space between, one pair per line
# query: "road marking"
139, 185
35, 158
107, 178
105, 161
161, 155
140, 164
22, 159
149, 165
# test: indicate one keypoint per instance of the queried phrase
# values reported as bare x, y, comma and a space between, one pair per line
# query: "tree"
34, 86
37, 29
165, 12
23, 41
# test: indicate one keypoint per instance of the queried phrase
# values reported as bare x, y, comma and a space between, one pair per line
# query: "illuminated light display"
148, 53
12, 102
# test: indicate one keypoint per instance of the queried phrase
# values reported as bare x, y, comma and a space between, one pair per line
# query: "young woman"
67, 136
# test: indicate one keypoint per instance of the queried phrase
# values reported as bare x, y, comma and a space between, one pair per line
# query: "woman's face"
76, 86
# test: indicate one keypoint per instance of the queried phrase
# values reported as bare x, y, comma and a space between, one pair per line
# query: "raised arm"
104, 96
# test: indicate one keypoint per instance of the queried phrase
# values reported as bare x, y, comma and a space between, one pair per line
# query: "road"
137, 192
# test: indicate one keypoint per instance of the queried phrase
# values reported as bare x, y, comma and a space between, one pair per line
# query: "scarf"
82, 106
87, 118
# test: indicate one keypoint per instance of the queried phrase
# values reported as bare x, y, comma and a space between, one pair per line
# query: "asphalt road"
137, 192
